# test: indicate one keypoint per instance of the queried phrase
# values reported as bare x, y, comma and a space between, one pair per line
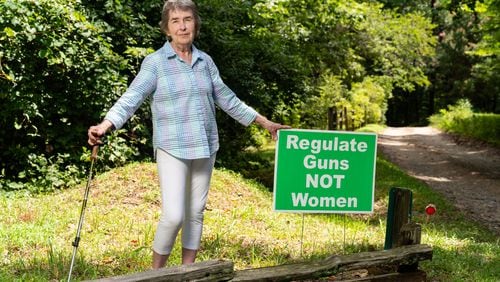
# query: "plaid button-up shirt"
183, 99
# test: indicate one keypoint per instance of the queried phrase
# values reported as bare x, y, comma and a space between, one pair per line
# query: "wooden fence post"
353, 126
332, 118
400, 231
365, 117
346, 119
398, 214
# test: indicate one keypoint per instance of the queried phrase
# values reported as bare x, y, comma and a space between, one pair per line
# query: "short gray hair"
183, 5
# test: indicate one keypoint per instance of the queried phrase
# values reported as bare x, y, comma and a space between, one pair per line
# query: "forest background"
64, 63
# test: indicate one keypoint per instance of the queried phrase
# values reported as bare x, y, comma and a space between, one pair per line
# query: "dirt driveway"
466, 174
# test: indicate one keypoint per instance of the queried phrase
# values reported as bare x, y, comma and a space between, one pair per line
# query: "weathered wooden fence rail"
212, 270
334, 265
220, 270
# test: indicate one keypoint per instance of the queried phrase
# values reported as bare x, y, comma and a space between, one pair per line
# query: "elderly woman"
184, 86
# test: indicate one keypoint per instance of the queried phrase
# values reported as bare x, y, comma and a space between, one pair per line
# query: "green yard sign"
324, 171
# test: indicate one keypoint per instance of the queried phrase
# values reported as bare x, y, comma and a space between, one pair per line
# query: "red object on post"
430, 209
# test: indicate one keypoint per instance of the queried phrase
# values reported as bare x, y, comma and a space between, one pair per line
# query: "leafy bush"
44, 174
461, 119
448, 118
116, 151
57, 72
484, 127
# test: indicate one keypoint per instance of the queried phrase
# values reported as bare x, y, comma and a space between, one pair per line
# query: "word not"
316, 146
325, 180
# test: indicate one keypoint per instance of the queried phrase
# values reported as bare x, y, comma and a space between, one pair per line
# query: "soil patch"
466, 173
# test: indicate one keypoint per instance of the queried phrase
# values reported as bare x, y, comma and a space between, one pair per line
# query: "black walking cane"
93, 157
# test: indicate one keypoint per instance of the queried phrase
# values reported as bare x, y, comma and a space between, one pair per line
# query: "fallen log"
221, 270
334, 264
212, 270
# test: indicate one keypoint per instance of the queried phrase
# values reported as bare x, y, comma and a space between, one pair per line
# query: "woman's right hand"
95, 132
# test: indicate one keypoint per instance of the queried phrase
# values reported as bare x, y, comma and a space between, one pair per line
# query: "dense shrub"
448, 118
461, 119
480, 126
57, 72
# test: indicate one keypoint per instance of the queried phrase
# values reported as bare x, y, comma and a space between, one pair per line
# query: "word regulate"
316, 146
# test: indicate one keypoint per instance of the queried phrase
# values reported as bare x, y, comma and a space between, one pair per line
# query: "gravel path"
466, 174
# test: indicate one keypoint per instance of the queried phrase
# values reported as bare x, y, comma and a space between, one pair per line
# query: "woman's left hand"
272, 127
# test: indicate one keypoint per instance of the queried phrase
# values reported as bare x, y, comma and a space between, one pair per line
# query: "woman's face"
181, 27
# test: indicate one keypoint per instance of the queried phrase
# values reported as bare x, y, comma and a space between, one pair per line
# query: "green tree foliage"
56, 70
396, 46
408, 6
64, 63
458, 33
320, 31
369, 101
346, 44
464, 65
486, 72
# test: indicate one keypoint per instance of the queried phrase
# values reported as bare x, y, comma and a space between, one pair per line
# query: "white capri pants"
184, 188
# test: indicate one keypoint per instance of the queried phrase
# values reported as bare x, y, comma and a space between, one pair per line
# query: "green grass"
36, 231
